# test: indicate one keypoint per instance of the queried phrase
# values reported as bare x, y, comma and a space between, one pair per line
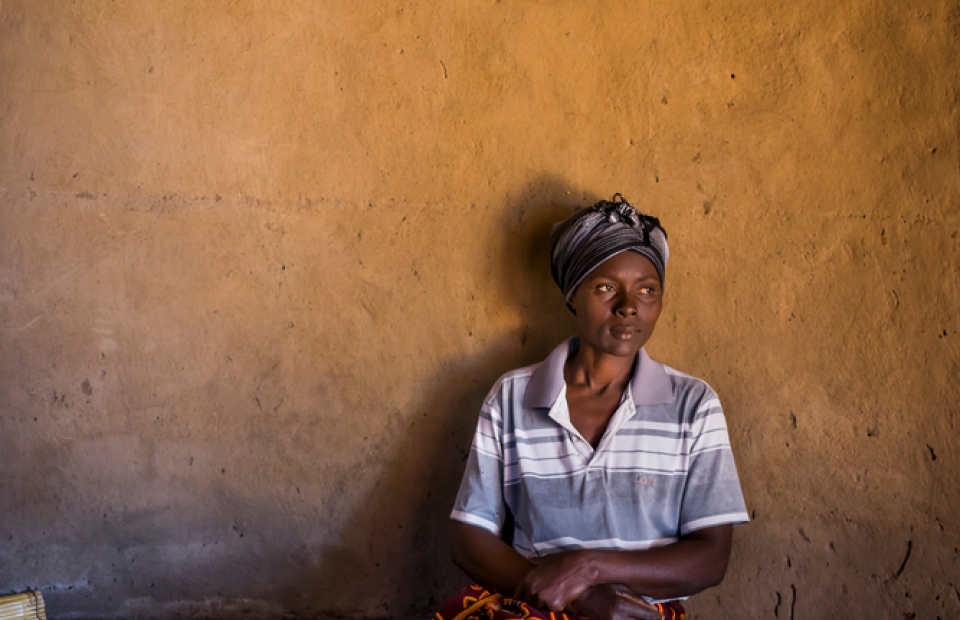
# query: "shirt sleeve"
712, 494
480, 499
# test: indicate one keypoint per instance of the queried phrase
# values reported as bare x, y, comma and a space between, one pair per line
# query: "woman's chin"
620, 347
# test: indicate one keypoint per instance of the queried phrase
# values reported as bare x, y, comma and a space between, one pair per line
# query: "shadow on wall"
394, 555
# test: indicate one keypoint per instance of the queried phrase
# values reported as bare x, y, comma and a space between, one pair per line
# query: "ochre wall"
260, 262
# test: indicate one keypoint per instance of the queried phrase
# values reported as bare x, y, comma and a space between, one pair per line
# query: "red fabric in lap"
477, 603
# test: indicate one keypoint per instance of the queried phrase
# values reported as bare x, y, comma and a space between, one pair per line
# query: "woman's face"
618, 304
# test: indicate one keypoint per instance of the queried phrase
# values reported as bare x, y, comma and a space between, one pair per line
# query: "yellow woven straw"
25, 606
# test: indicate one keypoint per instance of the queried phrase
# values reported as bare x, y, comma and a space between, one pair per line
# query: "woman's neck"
596, 371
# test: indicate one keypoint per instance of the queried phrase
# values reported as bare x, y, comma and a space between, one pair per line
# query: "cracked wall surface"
260, 262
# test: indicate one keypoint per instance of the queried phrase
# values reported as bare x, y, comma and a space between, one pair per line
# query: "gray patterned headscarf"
590, 236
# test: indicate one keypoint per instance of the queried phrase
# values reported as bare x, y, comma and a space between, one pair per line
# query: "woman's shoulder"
685, 382
693, 396
512, 384
544, 380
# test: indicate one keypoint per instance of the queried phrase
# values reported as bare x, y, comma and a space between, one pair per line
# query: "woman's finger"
637, 607
642, 612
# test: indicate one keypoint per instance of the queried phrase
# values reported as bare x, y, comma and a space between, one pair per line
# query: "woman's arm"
696, 562
485, 558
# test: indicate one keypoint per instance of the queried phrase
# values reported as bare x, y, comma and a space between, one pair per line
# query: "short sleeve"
712, 494
480, 499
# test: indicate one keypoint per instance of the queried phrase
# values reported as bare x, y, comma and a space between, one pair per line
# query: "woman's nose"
626, 306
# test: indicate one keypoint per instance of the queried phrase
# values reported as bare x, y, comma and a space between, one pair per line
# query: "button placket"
583, 448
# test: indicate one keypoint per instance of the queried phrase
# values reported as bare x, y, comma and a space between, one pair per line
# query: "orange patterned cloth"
477, 603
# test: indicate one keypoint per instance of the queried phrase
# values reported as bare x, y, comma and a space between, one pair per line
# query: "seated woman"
611, 472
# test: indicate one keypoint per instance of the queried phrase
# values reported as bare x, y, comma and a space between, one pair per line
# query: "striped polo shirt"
662, 469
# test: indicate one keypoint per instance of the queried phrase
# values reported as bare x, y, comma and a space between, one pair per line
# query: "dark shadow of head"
525, 279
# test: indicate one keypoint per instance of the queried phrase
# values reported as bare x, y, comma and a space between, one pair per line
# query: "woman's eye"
605, 288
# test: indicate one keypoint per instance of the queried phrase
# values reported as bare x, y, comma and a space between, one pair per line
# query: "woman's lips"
623, 332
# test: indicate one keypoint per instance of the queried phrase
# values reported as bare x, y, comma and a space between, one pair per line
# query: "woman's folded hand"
557, 580
614, 602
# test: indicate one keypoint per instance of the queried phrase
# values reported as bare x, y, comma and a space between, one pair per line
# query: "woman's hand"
557, 580
614, 602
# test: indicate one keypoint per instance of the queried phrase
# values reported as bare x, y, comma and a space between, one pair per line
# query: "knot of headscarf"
590, 236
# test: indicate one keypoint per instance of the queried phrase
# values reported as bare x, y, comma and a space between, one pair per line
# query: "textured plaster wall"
260, 262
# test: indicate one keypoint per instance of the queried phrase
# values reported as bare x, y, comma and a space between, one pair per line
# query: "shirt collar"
650, 384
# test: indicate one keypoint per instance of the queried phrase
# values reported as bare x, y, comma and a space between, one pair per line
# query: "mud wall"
260, 262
